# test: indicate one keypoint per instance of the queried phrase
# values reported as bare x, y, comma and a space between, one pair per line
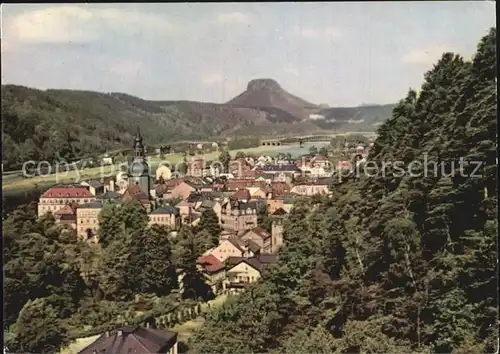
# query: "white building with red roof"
57, 197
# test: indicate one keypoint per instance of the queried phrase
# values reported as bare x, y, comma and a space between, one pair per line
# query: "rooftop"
210, 263
166, 209
67, 192
96, 204
280, 168
133, 340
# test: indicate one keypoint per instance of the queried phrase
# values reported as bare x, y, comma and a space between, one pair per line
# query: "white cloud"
326, 34
126, 67
234, 17
331, 33
291, 69
427, 55
62, 24
307, 32
7, 47
212, 79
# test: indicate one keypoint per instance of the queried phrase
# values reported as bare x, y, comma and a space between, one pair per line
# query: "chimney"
107, 334
119, 333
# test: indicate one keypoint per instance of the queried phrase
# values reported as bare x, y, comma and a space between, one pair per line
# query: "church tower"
138, 171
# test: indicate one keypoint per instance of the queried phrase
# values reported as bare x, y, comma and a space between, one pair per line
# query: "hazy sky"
335, 53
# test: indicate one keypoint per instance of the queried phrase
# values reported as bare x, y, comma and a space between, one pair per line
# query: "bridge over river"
295, 140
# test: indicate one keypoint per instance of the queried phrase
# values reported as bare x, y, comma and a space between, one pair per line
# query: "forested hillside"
391, 263
52, 125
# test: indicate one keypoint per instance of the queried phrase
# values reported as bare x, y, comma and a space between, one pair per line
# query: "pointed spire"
138, 132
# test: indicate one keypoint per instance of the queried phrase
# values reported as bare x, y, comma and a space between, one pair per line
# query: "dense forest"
58, 288
390, 263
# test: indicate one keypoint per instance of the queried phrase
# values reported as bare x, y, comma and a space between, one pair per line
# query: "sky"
338, 53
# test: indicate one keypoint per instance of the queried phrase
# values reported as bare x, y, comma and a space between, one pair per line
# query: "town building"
134, 339
312, 188
95, 187
167, 215
87, 217
230, 247
57, 197
163, 172
67, 215
241, 271
136, 193
260, 237
238, 216
214, 271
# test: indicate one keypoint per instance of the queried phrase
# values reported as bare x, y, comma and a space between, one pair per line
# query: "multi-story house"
311, 189
214, 271
167, 215
257, 192
319, 161
67, 215
274, 204
282, 173
181, 190
136, 193
87, 220
242, 271
230, 247
95, 187
260, 237
134, 339
238, 216
58, 197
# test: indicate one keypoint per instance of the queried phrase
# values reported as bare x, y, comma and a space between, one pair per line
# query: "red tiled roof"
136, 193
66, 210
242, 194
243, 183
67, 192
210, 263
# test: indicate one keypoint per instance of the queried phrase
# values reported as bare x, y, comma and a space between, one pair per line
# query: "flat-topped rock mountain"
267, 94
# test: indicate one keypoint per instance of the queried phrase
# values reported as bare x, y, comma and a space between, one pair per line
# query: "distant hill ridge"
39, 123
